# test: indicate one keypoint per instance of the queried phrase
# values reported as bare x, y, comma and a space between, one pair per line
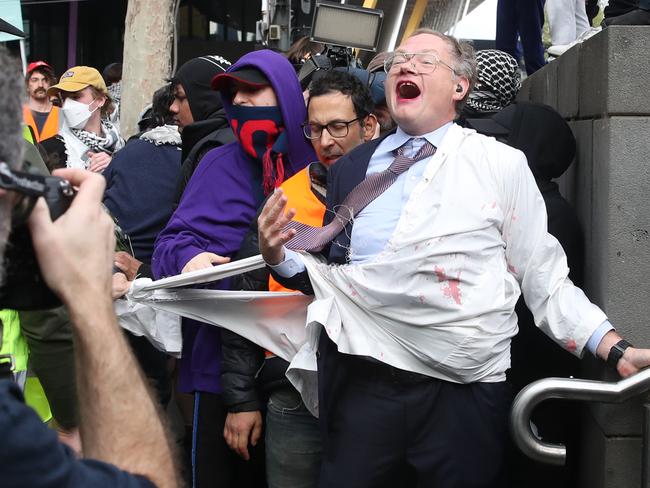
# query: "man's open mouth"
407, 90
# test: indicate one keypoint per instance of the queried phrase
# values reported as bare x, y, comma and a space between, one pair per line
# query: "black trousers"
386, 423
523, 19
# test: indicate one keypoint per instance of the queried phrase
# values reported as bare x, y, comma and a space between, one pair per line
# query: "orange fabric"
309, 209
51, 127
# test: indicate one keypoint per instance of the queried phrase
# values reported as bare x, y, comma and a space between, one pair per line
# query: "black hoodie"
210, 128
549, 145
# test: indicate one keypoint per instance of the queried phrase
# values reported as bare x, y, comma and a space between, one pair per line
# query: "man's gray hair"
11, 110
464, 62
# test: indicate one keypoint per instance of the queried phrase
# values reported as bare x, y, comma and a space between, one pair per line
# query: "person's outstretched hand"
271, 224
204, 260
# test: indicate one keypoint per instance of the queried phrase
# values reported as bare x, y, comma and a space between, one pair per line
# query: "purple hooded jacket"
217, 208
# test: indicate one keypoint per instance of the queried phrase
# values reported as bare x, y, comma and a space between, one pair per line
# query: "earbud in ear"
459, 89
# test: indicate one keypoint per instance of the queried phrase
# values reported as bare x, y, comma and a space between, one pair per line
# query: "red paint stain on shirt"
494, 204
440, 274
511, 268
571, 345
452, 289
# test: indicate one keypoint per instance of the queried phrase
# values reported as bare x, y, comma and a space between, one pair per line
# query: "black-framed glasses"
423, 62
336, 129
28, 188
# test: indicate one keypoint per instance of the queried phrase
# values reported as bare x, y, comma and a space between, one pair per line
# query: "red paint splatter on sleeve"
571, 345
512, 269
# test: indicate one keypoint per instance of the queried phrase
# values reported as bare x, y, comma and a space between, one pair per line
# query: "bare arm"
120, 423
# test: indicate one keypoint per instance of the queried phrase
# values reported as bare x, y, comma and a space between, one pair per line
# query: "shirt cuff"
597, 336
291, 266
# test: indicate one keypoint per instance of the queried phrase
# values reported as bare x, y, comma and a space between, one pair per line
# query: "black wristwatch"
616, 352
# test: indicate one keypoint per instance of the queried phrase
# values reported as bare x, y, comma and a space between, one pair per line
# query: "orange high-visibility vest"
51, 126
309, 209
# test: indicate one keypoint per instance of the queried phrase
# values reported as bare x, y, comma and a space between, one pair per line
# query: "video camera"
341, 28
24, 287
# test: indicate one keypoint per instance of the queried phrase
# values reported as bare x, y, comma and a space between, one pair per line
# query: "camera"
340, 28
24, 287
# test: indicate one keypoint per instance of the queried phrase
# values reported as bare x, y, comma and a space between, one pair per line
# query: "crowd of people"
520, 25
413, 199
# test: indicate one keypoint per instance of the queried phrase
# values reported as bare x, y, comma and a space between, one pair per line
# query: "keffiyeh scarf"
110, 143
498, 81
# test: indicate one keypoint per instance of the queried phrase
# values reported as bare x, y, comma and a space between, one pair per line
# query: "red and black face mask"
260, 132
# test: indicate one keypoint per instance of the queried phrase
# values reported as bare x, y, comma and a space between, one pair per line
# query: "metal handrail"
565, 389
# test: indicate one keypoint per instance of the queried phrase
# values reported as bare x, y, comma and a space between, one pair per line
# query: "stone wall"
602, 88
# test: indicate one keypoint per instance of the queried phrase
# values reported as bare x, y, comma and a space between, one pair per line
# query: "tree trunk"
147, 64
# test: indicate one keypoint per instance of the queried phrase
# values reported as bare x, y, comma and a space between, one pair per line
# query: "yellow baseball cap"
78, 78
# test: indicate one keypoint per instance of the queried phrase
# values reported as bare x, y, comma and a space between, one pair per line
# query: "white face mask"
76, 114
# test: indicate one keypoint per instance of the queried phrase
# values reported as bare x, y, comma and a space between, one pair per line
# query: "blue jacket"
140, 185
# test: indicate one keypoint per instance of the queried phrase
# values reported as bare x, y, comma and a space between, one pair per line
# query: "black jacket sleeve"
242, 359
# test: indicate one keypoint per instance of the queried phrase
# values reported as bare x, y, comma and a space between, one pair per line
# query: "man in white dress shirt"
417, 297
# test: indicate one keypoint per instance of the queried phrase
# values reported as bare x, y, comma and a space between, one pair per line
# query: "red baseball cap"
38, 64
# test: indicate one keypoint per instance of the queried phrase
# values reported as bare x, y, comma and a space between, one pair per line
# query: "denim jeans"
293, 442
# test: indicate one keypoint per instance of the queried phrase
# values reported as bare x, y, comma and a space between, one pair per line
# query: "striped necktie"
310, 238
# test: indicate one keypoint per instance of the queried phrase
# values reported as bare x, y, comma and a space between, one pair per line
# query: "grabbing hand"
203, 260
242, 428
75, 252
127, 264
633, 361
120, 285
271, 224
98, 161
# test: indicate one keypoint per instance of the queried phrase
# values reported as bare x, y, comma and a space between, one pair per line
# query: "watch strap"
616, 352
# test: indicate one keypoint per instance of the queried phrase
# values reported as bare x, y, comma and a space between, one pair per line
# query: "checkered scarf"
110, 143
115, 91
498, 81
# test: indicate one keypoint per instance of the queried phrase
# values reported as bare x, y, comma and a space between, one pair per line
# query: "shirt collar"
400, 137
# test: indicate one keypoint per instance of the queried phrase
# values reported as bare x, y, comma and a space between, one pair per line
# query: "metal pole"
567, 389
23, 56
73, 21
396, 26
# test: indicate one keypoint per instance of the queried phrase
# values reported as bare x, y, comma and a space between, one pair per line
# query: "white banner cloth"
272, 320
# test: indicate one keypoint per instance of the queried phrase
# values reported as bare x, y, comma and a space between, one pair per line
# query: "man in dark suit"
417, 304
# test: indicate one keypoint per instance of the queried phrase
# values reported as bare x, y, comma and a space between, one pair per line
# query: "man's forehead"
330, 106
